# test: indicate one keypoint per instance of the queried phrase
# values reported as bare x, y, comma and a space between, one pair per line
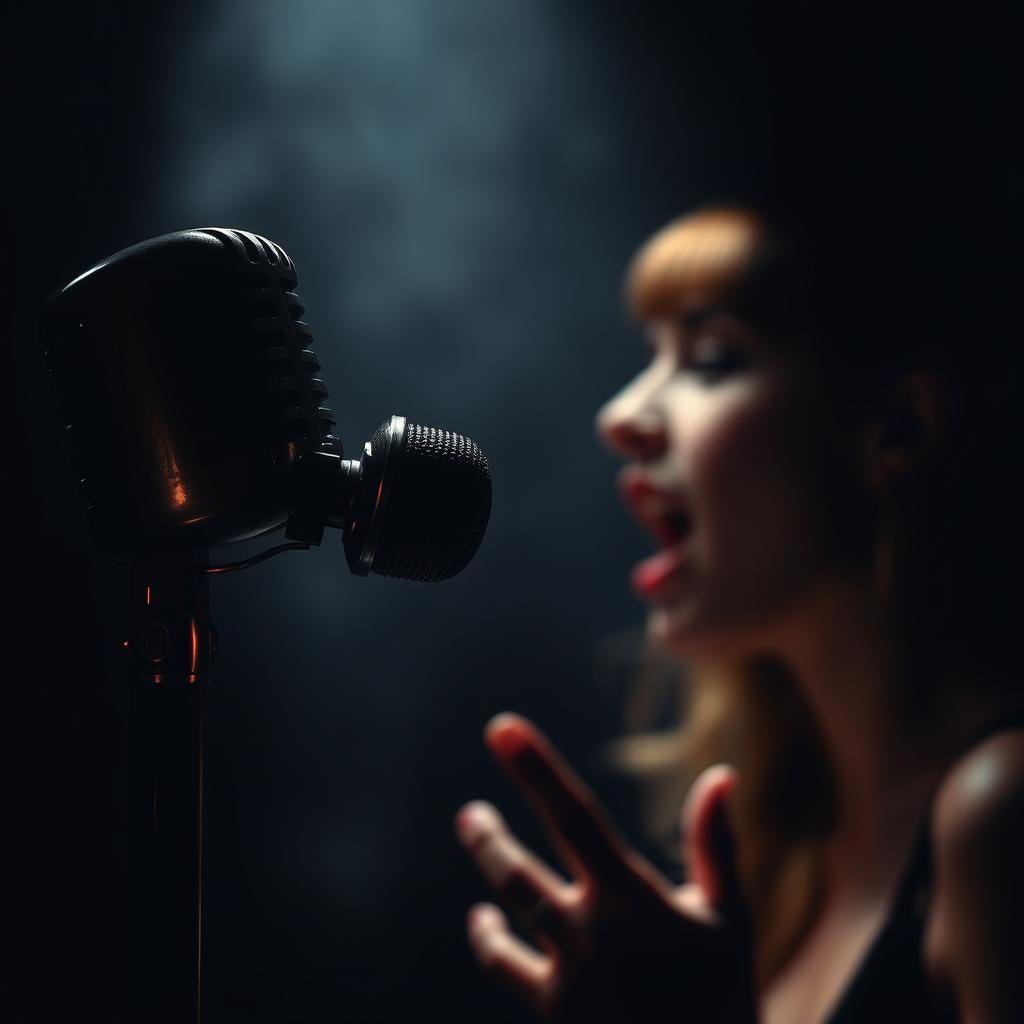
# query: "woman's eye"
714, 367
709, 358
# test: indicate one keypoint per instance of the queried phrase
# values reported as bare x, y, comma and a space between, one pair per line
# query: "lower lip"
653, 574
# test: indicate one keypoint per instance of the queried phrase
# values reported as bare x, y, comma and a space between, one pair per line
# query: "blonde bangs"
705, 253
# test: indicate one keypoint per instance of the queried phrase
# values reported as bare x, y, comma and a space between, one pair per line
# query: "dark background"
460, 186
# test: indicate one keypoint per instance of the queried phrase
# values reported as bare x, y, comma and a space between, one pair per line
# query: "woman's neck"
886, 753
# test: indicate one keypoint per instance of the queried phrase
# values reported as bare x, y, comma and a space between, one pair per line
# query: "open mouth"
665, 513
671, 528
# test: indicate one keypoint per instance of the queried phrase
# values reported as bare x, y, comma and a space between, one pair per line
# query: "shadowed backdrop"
460, 186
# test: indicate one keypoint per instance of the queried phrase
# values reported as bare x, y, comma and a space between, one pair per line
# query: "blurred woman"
819, 444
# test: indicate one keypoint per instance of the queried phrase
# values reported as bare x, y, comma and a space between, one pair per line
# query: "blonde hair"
754, 717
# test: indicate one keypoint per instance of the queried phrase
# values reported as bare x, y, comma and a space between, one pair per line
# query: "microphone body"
189, 387
194, 410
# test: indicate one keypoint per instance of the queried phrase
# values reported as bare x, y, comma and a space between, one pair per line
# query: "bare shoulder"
977, 910
983, 786
981, 799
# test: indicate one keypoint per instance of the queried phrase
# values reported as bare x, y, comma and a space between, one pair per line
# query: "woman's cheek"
753, 487
735, 439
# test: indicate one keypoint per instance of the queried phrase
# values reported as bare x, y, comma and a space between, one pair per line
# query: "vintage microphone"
194, 411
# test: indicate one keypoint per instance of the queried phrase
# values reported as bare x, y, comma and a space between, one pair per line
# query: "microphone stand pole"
169, 648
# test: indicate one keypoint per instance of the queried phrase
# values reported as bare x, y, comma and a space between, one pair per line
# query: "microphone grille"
439, 507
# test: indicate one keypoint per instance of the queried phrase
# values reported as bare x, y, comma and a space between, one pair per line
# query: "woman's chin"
667, 628
676, 631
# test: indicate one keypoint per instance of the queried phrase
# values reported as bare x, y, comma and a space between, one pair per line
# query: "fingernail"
472, 821
505, 736
481, 915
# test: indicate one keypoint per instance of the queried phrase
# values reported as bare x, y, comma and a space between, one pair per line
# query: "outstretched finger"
538, 895
521, 969
710, 848
571, 812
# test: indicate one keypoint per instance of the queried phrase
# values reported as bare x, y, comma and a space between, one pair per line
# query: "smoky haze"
461, 186
447, 178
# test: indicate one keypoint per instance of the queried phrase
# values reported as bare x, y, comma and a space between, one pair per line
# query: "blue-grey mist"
461, 186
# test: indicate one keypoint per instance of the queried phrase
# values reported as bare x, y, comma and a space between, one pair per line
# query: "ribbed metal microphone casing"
188, 385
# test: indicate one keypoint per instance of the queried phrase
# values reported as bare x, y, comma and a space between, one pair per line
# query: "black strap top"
891, 983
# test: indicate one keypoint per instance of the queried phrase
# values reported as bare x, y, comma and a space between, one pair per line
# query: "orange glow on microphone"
172, 474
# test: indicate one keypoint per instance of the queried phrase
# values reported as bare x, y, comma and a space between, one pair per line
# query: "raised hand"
618, 942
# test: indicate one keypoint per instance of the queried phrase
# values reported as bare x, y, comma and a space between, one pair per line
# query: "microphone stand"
169, 648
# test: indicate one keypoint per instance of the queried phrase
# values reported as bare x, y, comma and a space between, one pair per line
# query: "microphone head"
188, 385
427, 500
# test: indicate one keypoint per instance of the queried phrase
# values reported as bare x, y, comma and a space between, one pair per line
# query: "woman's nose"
638, 434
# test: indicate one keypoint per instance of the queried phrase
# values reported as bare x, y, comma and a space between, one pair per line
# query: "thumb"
709, 844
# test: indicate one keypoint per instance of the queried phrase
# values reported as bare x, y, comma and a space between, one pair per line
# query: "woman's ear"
905, 431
